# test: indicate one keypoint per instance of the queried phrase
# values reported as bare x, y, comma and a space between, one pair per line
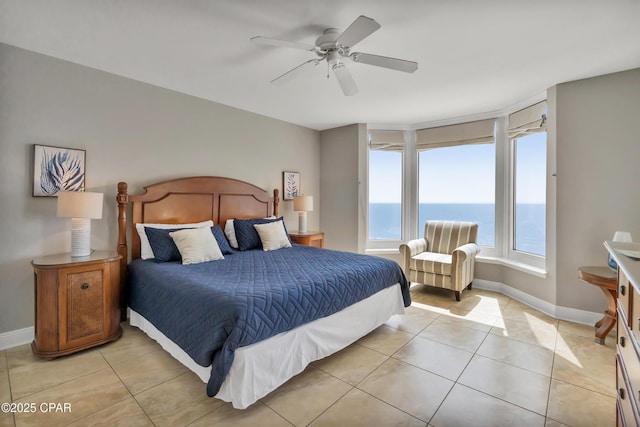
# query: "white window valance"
529, 120
479, 132
386, 140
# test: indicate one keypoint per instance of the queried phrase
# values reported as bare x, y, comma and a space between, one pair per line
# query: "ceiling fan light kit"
334, 47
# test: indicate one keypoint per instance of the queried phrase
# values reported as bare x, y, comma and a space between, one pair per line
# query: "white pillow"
230, 232
273, 235
145, 248
196, 245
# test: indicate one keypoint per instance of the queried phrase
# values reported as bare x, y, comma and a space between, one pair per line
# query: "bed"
249, 321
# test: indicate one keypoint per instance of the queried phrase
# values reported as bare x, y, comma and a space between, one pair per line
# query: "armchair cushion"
431, 262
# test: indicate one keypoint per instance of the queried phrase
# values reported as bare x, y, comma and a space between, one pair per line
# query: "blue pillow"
162, 245
225, 248
246, 234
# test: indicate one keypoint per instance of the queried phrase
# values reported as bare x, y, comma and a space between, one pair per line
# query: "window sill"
382, 251
516, 265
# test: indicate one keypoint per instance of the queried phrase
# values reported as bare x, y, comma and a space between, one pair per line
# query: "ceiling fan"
334, 47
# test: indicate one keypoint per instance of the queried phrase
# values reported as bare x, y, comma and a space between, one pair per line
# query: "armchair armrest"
461, 253
462, 265
409, 249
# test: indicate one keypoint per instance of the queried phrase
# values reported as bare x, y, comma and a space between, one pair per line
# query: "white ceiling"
474, 56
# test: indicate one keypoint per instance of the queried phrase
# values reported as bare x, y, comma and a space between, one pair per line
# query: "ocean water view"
385, 221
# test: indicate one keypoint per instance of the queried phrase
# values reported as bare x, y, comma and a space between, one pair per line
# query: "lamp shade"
79, 204
303, 204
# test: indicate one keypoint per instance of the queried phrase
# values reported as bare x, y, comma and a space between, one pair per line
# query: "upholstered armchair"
444, 258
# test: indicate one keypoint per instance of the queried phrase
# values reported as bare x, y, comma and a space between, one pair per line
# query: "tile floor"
487, 360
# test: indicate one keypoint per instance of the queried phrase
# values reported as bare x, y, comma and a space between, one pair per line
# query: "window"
457, 176
530, 193
385, 185
528, 137
458, 184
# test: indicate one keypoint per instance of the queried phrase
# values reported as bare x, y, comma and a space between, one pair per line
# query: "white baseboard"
25, 336
563, 313
15, 338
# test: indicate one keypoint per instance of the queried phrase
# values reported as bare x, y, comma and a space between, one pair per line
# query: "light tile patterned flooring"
487, 360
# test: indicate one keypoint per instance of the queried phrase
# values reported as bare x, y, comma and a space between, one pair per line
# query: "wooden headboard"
186, 200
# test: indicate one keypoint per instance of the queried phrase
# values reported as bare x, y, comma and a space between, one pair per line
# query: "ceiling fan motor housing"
329, 40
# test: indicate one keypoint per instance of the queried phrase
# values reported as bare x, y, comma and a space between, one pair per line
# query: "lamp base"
80, 237
302, 222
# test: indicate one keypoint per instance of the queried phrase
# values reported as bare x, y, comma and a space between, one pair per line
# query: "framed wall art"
290, 184
57, 169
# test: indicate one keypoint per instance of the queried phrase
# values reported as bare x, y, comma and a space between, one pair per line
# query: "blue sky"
461, 174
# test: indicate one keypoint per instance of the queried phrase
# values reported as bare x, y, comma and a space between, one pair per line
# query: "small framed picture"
290, 184
57, 169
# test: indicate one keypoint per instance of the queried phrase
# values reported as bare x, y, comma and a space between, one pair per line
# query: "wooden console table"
607, 280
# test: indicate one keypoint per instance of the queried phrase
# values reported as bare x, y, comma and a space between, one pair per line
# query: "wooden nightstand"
309, 238
77, 302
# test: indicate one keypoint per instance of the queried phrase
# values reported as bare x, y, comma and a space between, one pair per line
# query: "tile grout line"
116, 402
6, 366
553, 363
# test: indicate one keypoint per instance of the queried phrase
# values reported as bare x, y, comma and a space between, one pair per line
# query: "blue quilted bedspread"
210, 309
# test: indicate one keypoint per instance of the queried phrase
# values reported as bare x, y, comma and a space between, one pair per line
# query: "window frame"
383, 245
511, 252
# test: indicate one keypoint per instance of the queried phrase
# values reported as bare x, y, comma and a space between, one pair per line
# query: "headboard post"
276, 200
122, 199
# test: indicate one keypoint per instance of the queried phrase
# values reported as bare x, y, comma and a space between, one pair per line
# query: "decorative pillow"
162, 245
230, 232
196, 245
145, 248
246, 233
223, 244
273, 235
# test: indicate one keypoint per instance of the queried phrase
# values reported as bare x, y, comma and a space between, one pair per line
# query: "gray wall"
598, 154
131, 132
339, 200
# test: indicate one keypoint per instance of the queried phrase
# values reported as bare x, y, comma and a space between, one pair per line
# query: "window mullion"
410, 188
503, 181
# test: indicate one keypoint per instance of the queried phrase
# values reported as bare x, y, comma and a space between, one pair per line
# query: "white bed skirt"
262, 367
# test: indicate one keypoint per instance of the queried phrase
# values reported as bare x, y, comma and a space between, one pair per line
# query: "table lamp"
302, 205
618, 236
81, 207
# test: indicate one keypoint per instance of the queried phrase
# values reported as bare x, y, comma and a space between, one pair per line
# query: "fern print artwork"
291, 184
57, 169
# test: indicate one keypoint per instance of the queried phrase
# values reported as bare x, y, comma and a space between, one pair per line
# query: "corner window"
492, 172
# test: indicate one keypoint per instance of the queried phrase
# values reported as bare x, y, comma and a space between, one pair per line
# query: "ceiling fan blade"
267, 41
384, 61
359, 29
289, 75
345, 79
